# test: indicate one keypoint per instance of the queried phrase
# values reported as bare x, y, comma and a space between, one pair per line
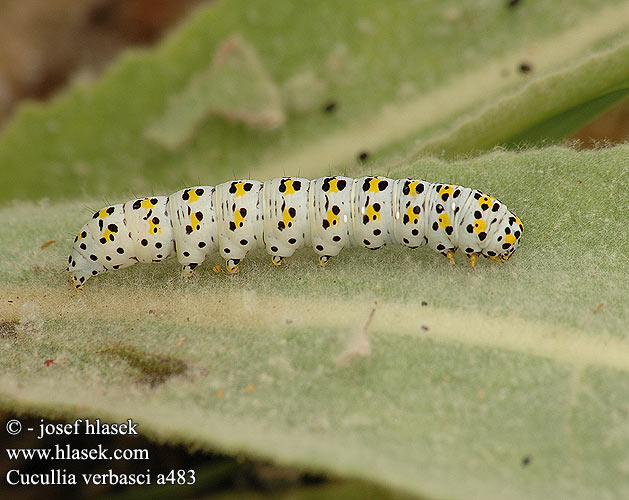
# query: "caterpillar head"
504, 240
80, 269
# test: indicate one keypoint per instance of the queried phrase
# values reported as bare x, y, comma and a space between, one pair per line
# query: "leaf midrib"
559, 343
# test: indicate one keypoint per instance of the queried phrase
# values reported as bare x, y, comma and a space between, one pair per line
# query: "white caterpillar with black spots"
288, 213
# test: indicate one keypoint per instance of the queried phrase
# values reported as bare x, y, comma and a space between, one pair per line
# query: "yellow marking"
479, 225
286, 217
486, 199
334, 188
238, 218
446, 190
147, 204
103, 213
444, 220
290, 189
193, 196
107, 233
187, 273
517, 219
180, 341
374, 186
474, 259
154, 228
194, 221
323, 260
48, 243
412, 188
216, 269
277, 261
413, 218
240, 189
372, 213
79, 236
450, 257
333, 219
250, 388
510, 239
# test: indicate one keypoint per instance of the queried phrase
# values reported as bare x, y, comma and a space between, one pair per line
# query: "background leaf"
255, 101
408, 78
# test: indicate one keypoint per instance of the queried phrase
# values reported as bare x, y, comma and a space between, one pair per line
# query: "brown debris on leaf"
8, 329
152, 369
358, 345
47, 244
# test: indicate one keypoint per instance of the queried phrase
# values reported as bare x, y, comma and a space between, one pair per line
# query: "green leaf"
408, 78
559, 126
586, 90
510, 381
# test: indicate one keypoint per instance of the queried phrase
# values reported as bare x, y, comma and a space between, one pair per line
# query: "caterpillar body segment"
193, 220
330, 215
285, 214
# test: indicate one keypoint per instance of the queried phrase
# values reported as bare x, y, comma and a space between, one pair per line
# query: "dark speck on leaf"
330, 107
526, 461
514, 3
525, 67
424, 303
363, 156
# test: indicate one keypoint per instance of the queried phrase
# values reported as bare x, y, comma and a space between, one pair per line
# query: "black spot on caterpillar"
285, 214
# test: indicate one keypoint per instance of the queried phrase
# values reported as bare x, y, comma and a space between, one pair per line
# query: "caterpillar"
287, 213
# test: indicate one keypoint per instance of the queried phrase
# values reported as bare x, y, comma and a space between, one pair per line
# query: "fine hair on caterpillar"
285, 214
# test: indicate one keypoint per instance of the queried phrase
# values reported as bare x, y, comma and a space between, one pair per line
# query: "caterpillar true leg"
187, 270
76, 286
323, 260
231, 266
285, 214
